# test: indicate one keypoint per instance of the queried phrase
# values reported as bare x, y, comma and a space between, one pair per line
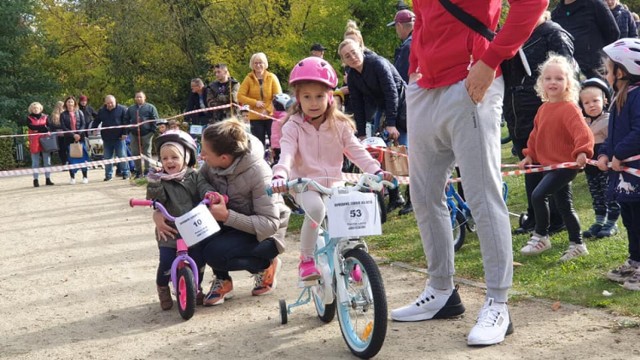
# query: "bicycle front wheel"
186, 293
363, 314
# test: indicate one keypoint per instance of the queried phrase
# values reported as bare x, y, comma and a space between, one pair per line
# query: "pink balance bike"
184, 271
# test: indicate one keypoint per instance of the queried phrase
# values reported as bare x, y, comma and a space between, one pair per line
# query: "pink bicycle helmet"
625, 53
314, 69
182, 138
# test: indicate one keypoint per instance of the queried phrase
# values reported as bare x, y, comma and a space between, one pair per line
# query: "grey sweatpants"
446, 128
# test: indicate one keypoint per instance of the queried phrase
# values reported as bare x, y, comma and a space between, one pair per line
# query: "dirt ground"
79, 284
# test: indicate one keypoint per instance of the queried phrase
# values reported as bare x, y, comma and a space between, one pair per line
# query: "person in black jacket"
624, 19
592, 26
198, 100
375, 85
139, 114
74, 124
222, 91
87, 110
403, 23
521, 102
113, 140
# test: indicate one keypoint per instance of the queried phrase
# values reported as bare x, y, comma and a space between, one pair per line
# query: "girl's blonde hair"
55, 113
227, 137
34, 106
572, 93
331, 115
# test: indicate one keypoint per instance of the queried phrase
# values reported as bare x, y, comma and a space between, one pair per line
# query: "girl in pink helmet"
315, 137
623, 141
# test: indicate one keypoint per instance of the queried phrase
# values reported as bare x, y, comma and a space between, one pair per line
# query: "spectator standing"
88, 111
521, 102
223, 91
113, 140
197, 101
38, 123
74, 124
592, 26
317, 50
257, 90
56, 126
141, 134
453, 114
403, 22
624, 19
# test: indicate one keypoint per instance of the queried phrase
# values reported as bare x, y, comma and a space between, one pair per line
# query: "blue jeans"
46, 162
116, 147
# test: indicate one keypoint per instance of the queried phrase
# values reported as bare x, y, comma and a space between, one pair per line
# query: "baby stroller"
96, 146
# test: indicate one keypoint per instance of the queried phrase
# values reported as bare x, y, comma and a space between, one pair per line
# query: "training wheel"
522, 219
283, 311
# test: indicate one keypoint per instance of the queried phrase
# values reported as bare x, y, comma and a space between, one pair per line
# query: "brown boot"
164, 294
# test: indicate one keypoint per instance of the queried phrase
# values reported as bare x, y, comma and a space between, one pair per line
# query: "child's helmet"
314, 69
162, 122
625, 53
595, 82
244, 108
182, 138
282, 102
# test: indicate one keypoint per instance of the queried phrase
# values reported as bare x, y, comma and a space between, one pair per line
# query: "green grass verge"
580, 281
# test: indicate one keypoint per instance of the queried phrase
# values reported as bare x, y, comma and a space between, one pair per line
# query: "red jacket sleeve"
521, 20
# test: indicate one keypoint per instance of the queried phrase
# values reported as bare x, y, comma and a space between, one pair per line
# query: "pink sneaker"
308, 270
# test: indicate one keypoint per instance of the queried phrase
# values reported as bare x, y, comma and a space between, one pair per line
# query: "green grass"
580, 281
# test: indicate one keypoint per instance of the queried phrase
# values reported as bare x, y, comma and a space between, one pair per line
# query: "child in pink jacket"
314, 139
281, 103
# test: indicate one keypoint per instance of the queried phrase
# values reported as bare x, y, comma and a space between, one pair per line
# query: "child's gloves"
278, 184
215, 197
154, 175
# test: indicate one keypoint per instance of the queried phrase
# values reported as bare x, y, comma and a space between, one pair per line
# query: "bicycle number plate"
196, 129
197, 225
353, 214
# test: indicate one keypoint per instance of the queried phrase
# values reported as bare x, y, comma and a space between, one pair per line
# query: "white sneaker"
85, 180
492, 326
574, 251
72, 182
431, 304
536, 245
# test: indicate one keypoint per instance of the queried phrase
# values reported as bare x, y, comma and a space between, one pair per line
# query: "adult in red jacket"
454, 103
38, 124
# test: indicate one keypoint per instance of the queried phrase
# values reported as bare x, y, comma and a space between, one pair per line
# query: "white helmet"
625, 53
374, 141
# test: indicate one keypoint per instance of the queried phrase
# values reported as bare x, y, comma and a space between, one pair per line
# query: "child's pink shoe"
308, 270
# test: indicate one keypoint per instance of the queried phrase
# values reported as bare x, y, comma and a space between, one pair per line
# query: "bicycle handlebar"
366, 181
158, 206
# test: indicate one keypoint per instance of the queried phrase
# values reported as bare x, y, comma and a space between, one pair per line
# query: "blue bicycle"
460, 214
351, 284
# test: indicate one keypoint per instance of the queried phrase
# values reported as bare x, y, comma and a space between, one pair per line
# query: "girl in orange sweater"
559, 135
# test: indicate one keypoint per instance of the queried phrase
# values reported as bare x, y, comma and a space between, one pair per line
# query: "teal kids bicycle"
350, 285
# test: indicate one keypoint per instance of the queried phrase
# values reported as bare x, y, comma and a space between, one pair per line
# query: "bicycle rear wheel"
459, 229
186, 292
363, 314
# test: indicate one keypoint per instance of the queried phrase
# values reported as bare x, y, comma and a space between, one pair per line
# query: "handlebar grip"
140, 202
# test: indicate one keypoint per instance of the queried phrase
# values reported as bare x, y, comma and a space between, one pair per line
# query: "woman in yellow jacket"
257, 90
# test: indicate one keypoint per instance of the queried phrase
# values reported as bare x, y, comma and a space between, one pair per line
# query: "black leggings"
631, 220
233, 250
167, 255
557, 184
261, 129
531, 181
